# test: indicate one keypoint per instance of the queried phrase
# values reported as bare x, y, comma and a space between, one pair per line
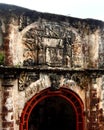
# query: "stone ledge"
45, 68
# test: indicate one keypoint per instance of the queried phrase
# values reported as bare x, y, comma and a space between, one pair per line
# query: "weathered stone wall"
77, 47
31, 38
46, 50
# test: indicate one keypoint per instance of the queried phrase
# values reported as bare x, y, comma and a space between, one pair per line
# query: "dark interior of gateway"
52, 113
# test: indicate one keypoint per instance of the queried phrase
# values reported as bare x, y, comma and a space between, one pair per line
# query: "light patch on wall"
9, 103
9, 116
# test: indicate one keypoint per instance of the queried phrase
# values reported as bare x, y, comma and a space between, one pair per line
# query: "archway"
52, 113
64, 113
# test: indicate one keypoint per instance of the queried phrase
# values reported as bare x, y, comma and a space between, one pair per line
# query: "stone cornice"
12, 69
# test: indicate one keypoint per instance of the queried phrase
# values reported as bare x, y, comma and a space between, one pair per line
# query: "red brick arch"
67, 94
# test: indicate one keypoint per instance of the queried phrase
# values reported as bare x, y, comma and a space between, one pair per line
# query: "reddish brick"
7, 124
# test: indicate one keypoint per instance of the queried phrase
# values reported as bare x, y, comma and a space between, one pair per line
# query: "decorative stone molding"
26, 78
54, 78
80, 79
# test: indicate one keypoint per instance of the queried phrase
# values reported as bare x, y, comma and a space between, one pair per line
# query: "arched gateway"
41, 50
56, 110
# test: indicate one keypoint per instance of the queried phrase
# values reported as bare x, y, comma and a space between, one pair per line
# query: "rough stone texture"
41, 50
78, 41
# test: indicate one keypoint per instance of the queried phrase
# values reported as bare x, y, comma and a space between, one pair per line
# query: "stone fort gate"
51, 71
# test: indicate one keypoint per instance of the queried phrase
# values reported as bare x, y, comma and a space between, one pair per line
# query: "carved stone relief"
52, 44
26, 78
75, 44
55, 81
30, 50
35, 87
55, 57
76, 79
41, 55
54, 52
77, 55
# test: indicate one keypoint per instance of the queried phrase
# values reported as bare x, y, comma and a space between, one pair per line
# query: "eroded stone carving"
55, 57
41, 55
74, 79
35, 87
55, 81
26, 78
63, 49
52, 45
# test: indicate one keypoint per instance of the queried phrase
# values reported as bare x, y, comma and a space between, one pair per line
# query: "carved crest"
26, 78
54, 78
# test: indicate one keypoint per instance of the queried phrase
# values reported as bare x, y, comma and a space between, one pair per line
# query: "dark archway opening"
52, 113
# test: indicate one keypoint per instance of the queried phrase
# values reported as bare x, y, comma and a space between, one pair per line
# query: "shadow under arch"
71, 97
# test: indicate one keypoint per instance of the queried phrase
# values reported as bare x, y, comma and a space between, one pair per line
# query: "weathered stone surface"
37, 35
7, 124
40, 51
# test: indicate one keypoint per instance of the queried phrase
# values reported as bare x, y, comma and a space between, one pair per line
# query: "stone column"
7, 104
94, 106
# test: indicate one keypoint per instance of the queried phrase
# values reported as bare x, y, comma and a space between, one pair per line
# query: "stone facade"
40, 51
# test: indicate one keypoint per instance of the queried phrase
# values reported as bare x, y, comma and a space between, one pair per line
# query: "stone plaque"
54, 56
